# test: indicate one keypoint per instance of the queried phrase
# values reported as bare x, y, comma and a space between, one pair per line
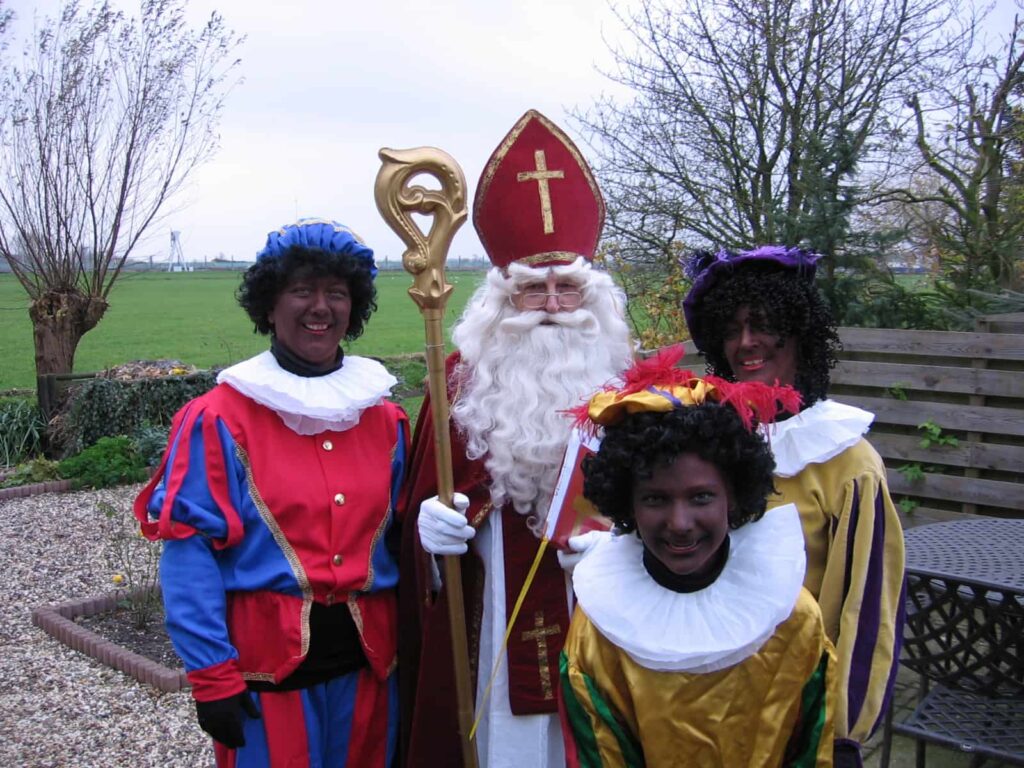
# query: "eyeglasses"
538, 300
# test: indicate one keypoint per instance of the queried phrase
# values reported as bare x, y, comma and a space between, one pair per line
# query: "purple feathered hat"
322, 234
705, 269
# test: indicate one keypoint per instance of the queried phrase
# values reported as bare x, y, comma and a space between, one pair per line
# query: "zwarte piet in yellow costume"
694, 641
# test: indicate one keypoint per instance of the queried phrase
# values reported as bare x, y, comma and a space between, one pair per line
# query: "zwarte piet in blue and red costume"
275, 501
757, 315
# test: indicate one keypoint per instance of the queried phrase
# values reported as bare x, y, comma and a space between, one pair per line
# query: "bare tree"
754, 121
101, 122
5, 19
966, 133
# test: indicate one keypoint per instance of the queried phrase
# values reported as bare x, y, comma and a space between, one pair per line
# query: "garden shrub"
110, 461
37, 470
104, 407
134, 562
143, 408
21, 431
150, 441
876, 299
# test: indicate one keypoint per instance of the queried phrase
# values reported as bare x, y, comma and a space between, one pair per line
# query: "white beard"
524, 369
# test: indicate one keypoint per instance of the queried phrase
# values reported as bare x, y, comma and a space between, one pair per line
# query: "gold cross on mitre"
541, 175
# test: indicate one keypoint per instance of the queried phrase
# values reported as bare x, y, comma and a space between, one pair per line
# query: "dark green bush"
876, 299
21, 431
104, 407
143, 408
150, 441
110, 461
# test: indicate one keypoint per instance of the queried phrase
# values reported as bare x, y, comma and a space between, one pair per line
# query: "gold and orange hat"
537, 202
657, 385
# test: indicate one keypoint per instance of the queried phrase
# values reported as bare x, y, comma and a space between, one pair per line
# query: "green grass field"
193, 317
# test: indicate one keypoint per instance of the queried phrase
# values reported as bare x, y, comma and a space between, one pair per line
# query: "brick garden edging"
31, 489
58, 622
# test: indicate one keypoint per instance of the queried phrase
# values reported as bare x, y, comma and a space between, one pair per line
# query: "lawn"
193, 317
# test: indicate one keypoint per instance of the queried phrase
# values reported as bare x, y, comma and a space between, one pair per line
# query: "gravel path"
59, 708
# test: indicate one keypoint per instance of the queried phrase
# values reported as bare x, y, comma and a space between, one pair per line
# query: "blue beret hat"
321, 234
707, 269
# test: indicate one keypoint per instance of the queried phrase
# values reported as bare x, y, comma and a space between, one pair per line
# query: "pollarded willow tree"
101, 121
754, 121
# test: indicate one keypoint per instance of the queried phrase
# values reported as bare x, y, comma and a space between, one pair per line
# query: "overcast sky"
327, 84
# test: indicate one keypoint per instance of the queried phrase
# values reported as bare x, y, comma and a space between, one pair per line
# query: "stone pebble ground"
59, 708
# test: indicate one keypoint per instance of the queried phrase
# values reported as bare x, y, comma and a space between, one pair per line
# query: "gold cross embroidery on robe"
540, 634
541, 175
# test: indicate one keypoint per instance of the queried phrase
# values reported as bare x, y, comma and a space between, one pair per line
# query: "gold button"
329, 599
337, 559
339, 499
328, 445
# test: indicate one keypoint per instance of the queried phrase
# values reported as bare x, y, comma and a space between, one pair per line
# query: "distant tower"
177, 261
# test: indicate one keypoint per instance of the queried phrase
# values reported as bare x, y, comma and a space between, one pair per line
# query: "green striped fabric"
803, 747
583, 728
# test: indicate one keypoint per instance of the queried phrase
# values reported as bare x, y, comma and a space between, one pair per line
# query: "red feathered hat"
537, 201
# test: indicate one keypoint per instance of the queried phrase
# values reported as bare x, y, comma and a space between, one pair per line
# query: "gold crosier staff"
424, 259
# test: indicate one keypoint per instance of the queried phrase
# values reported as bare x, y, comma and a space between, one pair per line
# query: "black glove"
846, 754
223, 718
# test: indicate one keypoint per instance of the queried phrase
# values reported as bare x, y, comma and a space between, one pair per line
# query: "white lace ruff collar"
703, 631
310, 405
815, 435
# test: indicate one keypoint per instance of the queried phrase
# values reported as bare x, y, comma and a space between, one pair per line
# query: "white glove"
579, 546
443, 530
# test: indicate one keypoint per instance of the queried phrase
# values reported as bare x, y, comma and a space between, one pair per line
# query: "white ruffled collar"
815, 435
310, 405
703, 631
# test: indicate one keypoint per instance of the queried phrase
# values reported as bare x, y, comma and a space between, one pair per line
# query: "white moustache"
522, 322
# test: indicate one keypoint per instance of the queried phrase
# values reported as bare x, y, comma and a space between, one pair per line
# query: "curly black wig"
264, 281
643, 442
782, 303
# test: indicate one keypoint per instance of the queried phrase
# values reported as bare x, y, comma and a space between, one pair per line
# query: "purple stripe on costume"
897, 647
851, 539
853, 756
667, 395
869, 618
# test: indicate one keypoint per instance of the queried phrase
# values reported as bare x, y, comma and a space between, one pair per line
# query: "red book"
570, 513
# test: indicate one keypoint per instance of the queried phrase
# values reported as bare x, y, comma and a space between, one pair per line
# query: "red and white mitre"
537, 202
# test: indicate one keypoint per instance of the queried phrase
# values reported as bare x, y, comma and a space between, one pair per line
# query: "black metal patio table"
987, 550
964, 636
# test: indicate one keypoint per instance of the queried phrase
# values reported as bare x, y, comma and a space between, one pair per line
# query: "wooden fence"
949, 413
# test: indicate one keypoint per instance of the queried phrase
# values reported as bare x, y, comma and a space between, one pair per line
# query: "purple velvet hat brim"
321, 234
799, 260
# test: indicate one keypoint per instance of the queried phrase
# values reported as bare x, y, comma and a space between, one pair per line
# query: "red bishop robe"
426, 676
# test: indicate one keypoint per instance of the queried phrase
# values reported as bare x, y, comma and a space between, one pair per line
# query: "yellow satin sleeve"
855, 561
